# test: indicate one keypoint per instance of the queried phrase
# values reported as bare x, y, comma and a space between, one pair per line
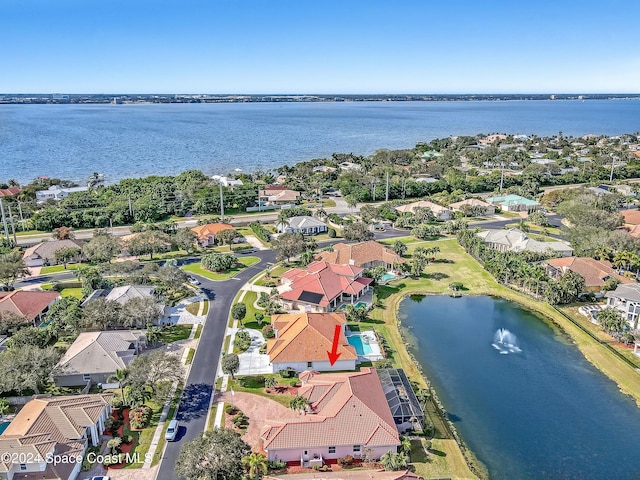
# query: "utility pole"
13, 227
4, 220
130, 207
221, 203
613, 163
386, 196
502, 177
21, 219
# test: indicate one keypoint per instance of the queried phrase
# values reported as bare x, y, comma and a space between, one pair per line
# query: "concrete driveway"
179, 315
252, 362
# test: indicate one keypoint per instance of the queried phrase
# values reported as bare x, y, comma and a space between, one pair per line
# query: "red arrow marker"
333, 354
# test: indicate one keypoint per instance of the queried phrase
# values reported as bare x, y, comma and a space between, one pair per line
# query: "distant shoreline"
120, 98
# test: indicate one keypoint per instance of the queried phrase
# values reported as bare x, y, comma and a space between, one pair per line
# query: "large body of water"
538, 411
73, 141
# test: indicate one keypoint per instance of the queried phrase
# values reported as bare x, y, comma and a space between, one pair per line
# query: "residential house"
348, 414
474, 207
55, 192
440, 212
30, 305
125, 293
44, 253
626, 299
324, 169
53, 426
367, 255
9, 192
594, 272
514, 240
304, 224
322, 286
425, 179
275, 195
95, 356
206, 234
227, 181
631, 222
350, 166
514, 203
302, 341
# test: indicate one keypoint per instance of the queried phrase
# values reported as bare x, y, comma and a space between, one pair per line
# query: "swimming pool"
387, 277
3, 426
361, 347
357, 305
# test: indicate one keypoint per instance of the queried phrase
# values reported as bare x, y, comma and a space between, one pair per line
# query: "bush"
276, 465
345, 461
241, 248
294, 382
268, 332
139, 417
260, 232
288, 373
231, 409
243, 340
331, 233
116, 402
114, 443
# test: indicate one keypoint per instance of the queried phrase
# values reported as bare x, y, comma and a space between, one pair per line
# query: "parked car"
172, 431
194, 281
101, 477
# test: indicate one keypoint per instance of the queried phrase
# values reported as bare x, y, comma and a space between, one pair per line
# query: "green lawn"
145, 436
198, 332
165, 255
174, 333
257, 389
249, 319
198, 270
194, 308
72, 292
205, 310
60, 268
536, 228
190, 355
170, 415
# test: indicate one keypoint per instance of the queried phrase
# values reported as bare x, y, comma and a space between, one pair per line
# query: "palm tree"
393, 461
602, 252
121, 377
321, 213
255, 464
283, 220
270, 382
306, 257
405, 444
299, 404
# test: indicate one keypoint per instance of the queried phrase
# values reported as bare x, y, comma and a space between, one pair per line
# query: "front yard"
244, 262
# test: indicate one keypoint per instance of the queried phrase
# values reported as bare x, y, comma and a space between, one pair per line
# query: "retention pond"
521, 395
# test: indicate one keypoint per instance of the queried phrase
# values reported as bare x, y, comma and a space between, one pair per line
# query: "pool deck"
368, 337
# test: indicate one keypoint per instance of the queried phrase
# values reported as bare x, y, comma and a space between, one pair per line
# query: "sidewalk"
165, 410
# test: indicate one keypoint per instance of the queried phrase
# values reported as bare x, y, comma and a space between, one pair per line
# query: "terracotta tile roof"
210, 229
322, 282
25, 303
280, 194
473, 202
634, 231
359, 254
61, 418
307, 337
347, 409
594, 272
9, 192
631, 217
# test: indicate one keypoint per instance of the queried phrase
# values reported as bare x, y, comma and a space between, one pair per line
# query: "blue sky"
319, 46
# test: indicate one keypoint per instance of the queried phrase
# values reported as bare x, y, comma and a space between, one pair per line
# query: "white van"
172, 431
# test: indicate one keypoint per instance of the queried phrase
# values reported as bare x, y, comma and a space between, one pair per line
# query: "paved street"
196, 396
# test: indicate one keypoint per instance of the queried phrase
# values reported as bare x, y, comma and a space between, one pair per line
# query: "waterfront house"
626, 299
367, 255
594, 272
95, 356
304, 224
44, 253
348, 414
514, 203
55, 192
227, 181
473, 207
322, 286
440, 212
515, 240
30, 305
53, 426
9, 192
206, 234
302, 341
276, 195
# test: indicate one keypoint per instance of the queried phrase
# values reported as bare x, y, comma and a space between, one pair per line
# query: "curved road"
196, 396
